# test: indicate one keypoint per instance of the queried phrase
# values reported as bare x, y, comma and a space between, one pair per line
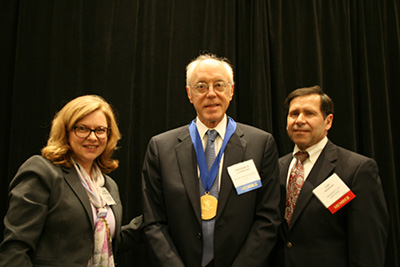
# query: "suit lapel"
188, 167
233, 154
284, 164
74, 182
322, 169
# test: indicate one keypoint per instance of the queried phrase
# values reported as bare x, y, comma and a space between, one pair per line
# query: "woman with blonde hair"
63, 208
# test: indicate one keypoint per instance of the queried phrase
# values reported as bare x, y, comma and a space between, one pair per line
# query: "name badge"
105, 195
244, 176
333, 193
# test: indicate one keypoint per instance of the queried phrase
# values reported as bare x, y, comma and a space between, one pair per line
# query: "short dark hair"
327, 106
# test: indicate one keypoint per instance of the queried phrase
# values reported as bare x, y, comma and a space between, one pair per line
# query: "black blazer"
355, 235
246, 225
49, 221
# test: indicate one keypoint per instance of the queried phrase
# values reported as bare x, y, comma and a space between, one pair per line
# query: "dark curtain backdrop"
134, 53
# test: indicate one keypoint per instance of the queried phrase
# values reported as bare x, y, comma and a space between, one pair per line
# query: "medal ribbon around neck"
208, 176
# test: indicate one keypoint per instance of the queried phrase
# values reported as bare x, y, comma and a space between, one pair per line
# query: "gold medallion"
208, 206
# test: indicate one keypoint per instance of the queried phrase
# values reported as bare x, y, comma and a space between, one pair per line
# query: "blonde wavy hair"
58, 149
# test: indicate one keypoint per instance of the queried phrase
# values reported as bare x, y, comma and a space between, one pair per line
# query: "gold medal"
208, 206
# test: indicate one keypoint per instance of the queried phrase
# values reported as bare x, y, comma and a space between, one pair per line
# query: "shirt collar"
313, 151
220, 128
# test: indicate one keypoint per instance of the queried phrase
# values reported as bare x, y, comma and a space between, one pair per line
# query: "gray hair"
192, 65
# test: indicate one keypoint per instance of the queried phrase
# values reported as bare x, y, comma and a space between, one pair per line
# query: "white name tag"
333, 193
105, 195
244, 176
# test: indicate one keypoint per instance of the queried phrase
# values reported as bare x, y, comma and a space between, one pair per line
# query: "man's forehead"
306, 99
306, 102
208, 64
217, 71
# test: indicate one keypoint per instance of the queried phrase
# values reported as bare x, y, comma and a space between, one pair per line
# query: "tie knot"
301, 155
212, 134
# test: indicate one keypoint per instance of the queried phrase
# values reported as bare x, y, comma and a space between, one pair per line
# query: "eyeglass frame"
108, 131
225, 86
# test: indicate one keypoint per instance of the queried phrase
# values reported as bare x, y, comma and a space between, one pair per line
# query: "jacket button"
289, 244
199, 235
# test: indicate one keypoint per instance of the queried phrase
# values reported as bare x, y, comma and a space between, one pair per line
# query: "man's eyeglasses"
202, 87
83, 132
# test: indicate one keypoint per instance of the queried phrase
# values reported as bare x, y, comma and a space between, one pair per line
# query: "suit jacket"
49, 221
246, 225
353, 236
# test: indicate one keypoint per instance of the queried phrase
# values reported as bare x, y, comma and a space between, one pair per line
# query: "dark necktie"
208, 226
296, 180
210, 148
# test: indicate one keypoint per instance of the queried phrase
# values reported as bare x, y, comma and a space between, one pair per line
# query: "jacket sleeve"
161, 247
367, 217
131, 236
26, 215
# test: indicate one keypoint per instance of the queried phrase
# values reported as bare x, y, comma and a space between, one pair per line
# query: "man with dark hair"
332, 204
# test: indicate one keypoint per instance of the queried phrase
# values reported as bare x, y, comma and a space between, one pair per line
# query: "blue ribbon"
208, 176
